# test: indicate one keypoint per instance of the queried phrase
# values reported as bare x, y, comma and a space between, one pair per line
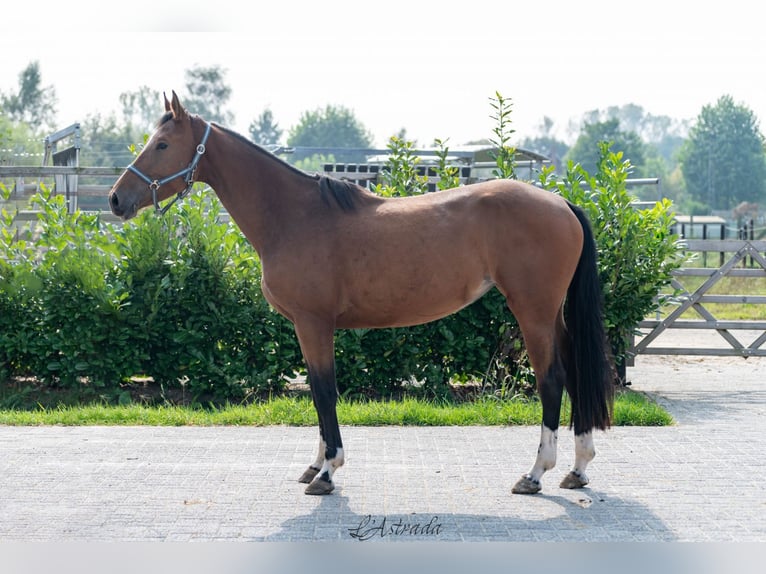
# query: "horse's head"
164, 167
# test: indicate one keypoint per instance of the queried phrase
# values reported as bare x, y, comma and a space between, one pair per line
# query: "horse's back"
518, 214
534, 240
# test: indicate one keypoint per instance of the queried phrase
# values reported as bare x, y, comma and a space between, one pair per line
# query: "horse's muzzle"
119, 208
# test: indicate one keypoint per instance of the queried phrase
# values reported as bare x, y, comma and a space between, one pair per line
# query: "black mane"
345, 194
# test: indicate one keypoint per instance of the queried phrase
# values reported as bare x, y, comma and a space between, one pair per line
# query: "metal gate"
738, 258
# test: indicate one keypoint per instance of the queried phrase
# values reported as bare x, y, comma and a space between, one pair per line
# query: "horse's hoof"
309, 475
526, 485
574, 480
320, 486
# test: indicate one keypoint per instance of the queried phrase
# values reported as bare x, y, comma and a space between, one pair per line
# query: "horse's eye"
162, 145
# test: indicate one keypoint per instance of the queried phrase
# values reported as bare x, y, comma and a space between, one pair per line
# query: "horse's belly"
406, 307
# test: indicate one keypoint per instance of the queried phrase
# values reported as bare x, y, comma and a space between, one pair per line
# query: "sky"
430, 67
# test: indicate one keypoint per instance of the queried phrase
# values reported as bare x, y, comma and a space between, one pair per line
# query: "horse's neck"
262, 194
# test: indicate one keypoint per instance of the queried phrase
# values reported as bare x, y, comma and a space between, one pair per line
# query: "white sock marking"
584, 453
546, 453
320, 455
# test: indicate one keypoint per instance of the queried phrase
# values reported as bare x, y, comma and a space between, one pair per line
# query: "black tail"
591, 381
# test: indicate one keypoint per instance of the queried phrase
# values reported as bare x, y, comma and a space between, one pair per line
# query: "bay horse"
337, 256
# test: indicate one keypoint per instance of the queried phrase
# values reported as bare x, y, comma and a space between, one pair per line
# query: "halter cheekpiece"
187, 173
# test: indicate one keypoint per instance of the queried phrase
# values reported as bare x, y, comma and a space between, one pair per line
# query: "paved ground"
699, 480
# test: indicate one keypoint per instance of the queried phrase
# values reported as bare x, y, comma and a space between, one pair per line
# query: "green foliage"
208, 93
68, 316
448, 174
194, 295
314, 162
264, 130
331, 126
139, 108
546, 143
17, 141
176, 299
585, 151
104, 142
637, 252
506, 154
723, 160
32, 104
424, 359
17, 307
399, 176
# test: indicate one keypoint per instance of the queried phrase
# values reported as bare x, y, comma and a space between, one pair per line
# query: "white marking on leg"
330, 465
546, 453
320, 454
584, 453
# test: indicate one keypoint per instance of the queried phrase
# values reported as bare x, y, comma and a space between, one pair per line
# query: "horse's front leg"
316, 340
310, 473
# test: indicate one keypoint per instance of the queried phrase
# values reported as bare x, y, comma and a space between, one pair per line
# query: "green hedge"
176, 299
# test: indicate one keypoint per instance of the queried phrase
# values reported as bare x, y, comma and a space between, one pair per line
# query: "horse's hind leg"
584, 453
584, 449
545, 357
557, 376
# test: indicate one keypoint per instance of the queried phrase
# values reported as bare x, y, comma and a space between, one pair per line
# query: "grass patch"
631, 409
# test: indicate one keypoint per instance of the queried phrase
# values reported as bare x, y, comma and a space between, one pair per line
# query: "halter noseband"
155, 184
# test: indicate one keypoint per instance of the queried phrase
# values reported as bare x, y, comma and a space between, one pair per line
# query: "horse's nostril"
113, 201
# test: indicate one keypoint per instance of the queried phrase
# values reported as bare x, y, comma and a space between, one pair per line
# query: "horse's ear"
167, 103
176, 107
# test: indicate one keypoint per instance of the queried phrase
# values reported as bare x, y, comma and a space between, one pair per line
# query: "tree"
633, 118
546, 143
140, 109
33, 104
264, 130
17, 143
723, 160
662, 137
105, 142
208, 94
331, 126
585, 151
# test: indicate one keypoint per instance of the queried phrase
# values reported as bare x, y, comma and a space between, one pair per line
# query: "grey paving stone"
698, 480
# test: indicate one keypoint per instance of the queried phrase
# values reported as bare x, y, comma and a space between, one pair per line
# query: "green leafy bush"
637, 252
176, 299
18, 305
195, 301
399, 176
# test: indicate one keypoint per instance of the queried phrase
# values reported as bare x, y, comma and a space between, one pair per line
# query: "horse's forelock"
167, 116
